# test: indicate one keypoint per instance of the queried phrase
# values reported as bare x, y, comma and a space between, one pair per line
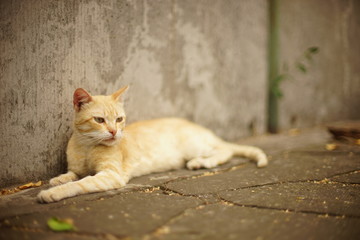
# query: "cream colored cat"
104, 154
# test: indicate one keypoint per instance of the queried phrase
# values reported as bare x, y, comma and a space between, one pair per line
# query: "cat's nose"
112, 131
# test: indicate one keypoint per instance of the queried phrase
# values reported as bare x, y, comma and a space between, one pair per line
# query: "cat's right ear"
81, 97
118, 94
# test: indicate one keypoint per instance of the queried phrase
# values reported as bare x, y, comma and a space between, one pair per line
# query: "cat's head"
99, 119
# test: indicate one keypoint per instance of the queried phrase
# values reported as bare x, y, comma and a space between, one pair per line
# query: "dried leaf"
301, 67
313, 50
22, 187
25, 186
60, 225
8, 191
30, 185
331, 146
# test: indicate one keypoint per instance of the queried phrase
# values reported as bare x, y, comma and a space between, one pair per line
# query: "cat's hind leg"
64, 178
216, 157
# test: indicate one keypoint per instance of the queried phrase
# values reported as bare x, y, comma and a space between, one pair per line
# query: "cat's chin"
110, 141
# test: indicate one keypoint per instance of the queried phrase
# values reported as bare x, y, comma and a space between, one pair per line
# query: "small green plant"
60, 225
301, 65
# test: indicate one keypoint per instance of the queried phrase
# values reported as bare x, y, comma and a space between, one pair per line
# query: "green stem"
273, 67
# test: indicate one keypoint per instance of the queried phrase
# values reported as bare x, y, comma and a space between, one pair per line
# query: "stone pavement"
306, 192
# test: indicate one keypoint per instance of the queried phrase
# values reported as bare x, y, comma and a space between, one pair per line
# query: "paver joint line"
291, 210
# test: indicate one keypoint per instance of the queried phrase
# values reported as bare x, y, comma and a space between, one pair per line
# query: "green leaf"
313, 50
301, 67
277, 92
58, 225
280, 78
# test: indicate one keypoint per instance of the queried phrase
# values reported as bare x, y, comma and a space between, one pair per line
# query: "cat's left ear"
117, 95
81, 97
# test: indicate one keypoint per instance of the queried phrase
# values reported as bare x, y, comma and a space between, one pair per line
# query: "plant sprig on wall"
301, 65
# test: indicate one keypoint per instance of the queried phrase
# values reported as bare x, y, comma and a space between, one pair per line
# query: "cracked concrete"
306, 192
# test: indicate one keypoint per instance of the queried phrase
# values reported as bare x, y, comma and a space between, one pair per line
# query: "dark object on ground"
346, 130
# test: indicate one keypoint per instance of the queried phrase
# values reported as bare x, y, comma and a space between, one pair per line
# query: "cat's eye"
99, 119
119, 119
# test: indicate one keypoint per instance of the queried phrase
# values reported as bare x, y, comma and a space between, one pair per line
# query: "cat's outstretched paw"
48, 196
45, 197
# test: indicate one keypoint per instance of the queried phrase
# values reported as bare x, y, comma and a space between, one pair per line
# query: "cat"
103, 154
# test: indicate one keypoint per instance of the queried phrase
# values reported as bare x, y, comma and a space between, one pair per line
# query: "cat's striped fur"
103, 154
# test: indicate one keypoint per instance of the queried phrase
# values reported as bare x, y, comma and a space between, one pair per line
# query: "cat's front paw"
48, 196
59, 180
63, 178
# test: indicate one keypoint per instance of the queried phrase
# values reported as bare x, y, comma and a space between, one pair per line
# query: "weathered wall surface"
330, 89
203, 60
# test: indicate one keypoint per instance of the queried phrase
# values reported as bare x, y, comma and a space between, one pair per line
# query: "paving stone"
126, 214
289, 166
317, 197
220, 221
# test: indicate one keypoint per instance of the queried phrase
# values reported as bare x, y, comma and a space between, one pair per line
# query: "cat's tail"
253, 153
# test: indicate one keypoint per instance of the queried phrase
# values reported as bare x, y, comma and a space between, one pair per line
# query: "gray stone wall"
203, 60
330, 88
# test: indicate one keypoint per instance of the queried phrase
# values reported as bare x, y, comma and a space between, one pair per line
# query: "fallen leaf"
331, 146
60, 225
8, 191
30, 185
22, 187
25, 186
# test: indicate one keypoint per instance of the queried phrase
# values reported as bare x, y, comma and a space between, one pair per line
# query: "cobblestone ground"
306, 192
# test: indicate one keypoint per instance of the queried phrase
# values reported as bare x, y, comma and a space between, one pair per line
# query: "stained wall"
329, 89
202, 60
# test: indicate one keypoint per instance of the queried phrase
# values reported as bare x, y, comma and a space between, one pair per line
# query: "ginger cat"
103, 154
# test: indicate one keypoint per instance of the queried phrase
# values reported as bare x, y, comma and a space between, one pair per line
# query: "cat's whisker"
90, 139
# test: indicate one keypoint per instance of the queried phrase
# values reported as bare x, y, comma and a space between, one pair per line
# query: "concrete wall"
204, 60
330, 89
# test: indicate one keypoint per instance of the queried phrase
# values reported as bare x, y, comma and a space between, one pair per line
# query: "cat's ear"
117, 95
81, 97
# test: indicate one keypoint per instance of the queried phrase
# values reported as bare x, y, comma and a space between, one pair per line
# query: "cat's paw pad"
48, 196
